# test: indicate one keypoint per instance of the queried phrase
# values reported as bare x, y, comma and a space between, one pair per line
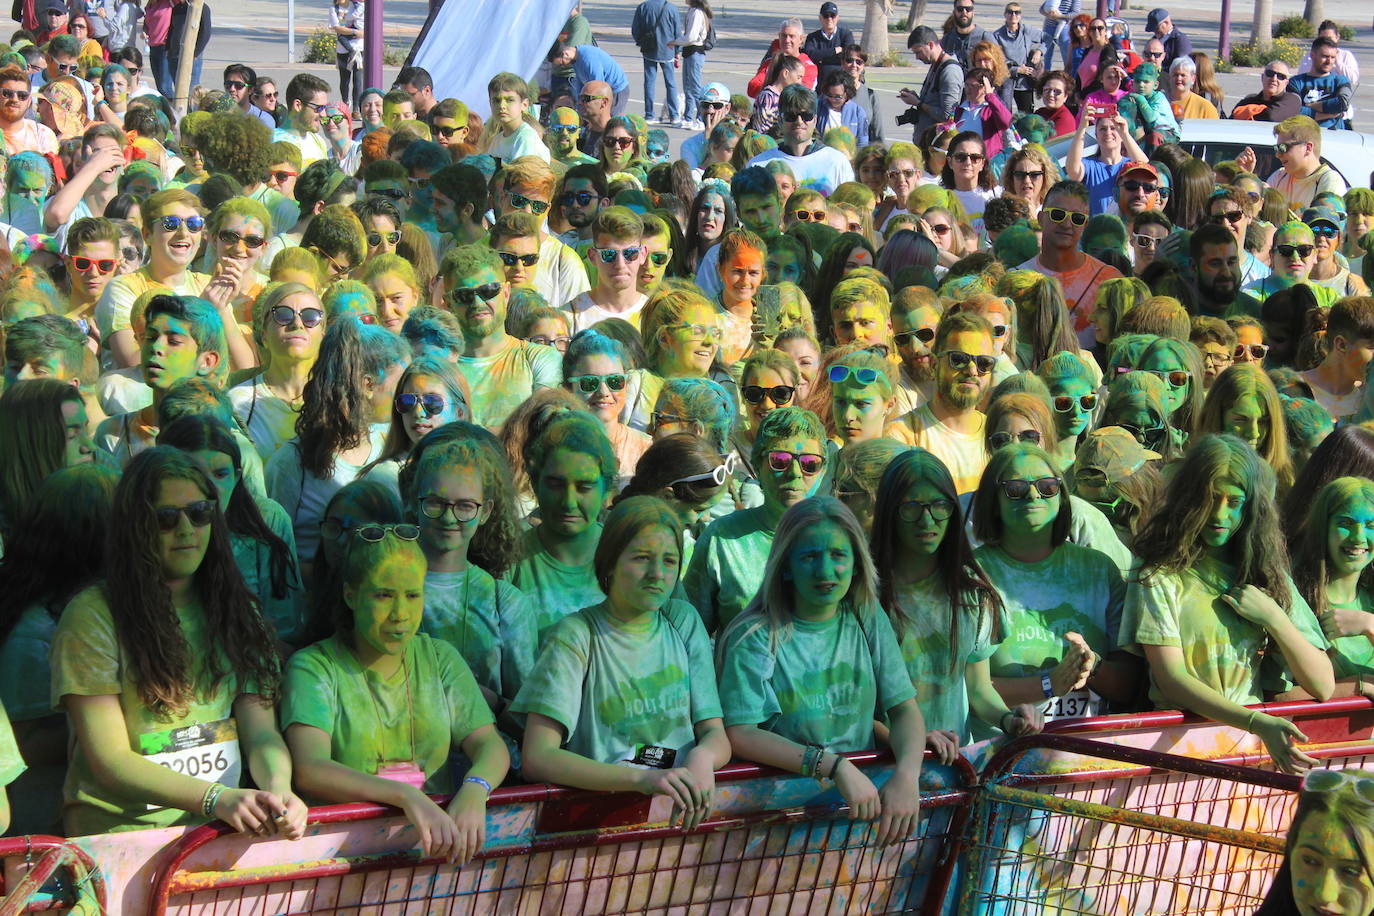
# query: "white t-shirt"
561, 275
313, 146
305, 496
823, 169
524, 142
586, 313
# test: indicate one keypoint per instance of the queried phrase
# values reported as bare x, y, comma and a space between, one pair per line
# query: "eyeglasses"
1174, 378
899, 174
841, 374
842, 97
433, 404
1303, 252
810, 464
807, 116
588, 384
1275, 75
558, 343
1283, 148
66, 68
373, 534
1256, 352
1003, 439
199, 513
1325, 232
234, 85
447, 132
924, 335
1328, 780
337, 268
913, 509
102, 265
173, 223
252, 242
1230, 216
618, 142
1058, 215
1212, 358
968, 157
282, 177
1047, 487
467, 295
286, 316
1146, 241
576, 198
628, 255
1063, 403
1021, 175
389, 193
698, 331
808, 216
1132, 185
510, 258
778, 394
959, 360
375, 238
1051, 90
464, 510
521, 202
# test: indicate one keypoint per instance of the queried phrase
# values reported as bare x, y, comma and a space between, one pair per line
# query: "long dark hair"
954, 562
68, 518
1347, 452
831, 272
159, 657
1309, 550
327, 613
721, 190
196, 433
1356, 815
33, 440
986, 180
335, 413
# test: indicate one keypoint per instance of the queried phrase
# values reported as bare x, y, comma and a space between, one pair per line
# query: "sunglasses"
1302, 252
67, 68
199, 513
913, 509
1283, 148
1146, 241
447, 132
333, 120
375, 238
1097, 28
234, 85
1230, 216
1020, 175
810, 464
1328, 780
1144, 436
510, 258
1063, 403
1275, 75
717, 475
714, 106
373, 534
286, 316
467, 295
1002, 440
628, 255
389, 193
778, 394
1132, 185
959, 360
1325, 232
433, 404
521, 202
808, 216
807, 116
1058, 215
618, 142
1047, 487
318, 109
102, 265
577, 198
252, 242
464, 510
898, 174
698, 331
839, 374
283, 177
939, 228
589, 99
1255, 351
924, 335
173, 223
968, 157
1154, 53
1174, 378
588, 384
565, 128
558, 343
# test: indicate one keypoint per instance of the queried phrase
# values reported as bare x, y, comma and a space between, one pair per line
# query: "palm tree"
915, 14
875, 43
1262, 27
1314, 11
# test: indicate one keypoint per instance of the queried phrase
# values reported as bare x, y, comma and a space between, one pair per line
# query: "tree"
1262, 27
916, 14
875, 41
1314, 11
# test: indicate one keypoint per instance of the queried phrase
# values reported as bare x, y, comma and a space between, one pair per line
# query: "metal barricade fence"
40, 873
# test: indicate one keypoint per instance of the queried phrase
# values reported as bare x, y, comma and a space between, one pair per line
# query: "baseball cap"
1313, 215
1157, 15
53, 5
829, 9
1114, 451
1135, 168
716, 92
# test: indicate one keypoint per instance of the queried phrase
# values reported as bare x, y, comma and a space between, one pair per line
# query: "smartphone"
1107, 111
768, 307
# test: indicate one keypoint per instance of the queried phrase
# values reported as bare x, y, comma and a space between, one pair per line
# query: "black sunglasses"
467, 295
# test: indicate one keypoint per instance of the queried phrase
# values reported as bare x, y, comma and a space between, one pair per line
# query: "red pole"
372, 44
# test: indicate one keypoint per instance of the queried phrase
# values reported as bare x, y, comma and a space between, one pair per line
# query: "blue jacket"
655, 26
1331, 90
593, 64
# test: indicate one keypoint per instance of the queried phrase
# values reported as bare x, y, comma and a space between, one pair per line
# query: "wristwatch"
1048, 686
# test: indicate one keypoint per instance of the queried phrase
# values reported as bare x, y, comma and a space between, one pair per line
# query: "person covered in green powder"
863, 388
1062, 601
168, 672
1119, 477
1211, 606
728, 563
430, 393
813, 662
943, 609
573, 469
686, 472
1331, 570
1244, 403
260, 534
1292, 256
372, 712
458, 490
1178, 364
1073, 395
623, 697
11, 767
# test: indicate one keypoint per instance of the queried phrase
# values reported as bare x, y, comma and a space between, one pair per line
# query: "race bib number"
650, 757
208, 751
1077, 704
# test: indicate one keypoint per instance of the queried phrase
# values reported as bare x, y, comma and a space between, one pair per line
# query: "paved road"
255, 31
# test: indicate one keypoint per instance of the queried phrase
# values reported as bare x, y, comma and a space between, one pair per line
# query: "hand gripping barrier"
39, 873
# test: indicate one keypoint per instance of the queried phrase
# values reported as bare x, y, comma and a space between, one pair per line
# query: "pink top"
157, 22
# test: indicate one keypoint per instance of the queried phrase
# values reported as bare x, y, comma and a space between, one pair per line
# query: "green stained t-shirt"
824, 683
25, 677
928, 624
490, 623
553, 589
254, 560
727, 566
1092, 528
88, 660
1220, 648
11, 763
1350, 655
500, 383
615, 689
430, 705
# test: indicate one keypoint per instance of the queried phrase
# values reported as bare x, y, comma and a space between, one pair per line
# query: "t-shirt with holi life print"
1080, 292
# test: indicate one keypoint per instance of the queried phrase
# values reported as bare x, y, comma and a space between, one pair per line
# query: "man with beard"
458, 194
1137, 190
21, 134
501, 371
1216, 271
583, 196
616, 251
960, 39
815, 165
1227, 207
564, 129
1337, 381
915, 316
527, 184
950, 425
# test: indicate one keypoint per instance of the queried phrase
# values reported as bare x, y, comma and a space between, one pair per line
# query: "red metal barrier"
577, 855
30, 892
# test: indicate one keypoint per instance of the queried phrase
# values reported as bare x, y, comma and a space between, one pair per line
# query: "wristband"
479, 781
834, 766
208, 800
1047, 685
1002, 721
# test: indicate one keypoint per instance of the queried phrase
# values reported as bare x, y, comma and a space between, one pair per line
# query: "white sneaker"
679, 123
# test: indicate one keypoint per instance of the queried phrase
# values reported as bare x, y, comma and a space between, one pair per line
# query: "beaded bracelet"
811, 758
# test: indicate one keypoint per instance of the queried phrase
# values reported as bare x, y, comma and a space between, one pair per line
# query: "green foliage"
1294, 27
1284, 49
1224, 66
893, 58
319, 47
1346, 33
393, 56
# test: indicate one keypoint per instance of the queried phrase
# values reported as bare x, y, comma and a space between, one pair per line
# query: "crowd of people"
783, 447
